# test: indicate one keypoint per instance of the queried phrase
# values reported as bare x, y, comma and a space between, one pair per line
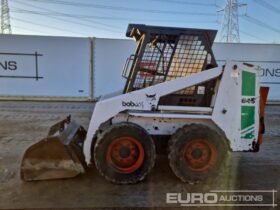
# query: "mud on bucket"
59, 155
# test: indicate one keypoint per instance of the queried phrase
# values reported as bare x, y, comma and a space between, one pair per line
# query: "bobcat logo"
151, 97
132, 104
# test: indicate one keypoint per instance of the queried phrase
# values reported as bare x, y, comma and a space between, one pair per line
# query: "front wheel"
196, 153
124, 153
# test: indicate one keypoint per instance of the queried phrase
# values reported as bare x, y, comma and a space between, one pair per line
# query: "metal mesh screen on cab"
184, 57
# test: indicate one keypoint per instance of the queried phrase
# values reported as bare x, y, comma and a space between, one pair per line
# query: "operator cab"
167, 53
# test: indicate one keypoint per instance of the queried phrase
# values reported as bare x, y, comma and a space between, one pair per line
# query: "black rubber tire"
114, 132
185, 135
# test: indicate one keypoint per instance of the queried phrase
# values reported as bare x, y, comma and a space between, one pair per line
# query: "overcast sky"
259, 21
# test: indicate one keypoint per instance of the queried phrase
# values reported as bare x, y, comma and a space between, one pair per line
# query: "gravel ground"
24, 123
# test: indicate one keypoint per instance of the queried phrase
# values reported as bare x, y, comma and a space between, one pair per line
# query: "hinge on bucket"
60, 126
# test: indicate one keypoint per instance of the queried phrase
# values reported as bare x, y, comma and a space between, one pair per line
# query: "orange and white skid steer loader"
174, 89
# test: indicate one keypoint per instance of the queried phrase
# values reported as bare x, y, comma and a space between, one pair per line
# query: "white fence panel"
62, 67
110, 57
267, 56
38, 66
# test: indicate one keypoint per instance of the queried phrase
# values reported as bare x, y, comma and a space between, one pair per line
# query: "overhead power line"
64, 17
32, 30
252, 36
77, 23
47, 26
85, 17
102, 26
80, 19
268, 6
121, 8
260, 23
187, 3
58, 16
72, 22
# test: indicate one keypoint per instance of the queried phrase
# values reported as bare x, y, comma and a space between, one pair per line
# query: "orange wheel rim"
125, 155
200, 155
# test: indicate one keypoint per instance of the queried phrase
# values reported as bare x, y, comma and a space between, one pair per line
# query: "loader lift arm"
106, 109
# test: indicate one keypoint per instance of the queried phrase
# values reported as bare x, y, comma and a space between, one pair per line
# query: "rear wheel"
124, 153
196, 153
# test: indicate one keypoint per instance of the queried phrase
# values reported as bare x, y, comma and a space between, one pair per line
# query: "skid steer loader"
174, 89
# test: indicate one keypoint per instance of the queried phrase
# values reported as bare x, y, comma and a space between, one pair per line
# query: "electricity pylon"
5, 18
230, 24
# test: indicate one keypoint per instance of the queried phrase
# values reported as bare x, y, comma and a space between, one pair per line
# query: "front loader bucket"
59, 155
